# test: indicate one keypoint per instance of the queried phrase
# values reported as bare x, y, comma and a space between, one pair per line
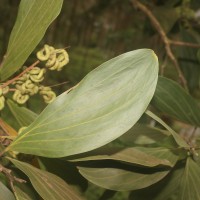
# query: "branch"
155, 23
10, 177
186, 44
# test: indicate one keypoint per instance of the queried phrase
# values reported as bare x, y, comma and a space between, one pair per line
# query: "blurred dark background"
95, 30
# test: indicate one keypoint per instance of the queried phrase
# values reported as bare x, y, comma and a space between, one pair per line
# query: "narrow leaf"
173, 100
48, 185
21, 195
23, 115
177, 138
105, 104
10, 131
129, 155
33, 19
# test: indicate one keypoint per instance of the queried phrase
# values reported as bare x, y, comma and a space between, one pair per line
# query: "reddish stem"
17, 77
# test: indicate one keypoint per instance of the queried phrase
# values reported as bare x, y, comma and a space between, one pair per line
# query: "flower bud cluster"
55, 59
28, 84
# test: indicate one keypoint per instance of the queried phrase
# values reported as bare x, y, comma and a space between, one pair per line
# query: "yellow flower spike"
29, 84
49, 97
22, 99
1, 91
19, 97
51, 61
34, 71
6, 90
44, 53
47, 94
63, 59
2, 102
55, 66
23, 89
37, 75
16, 95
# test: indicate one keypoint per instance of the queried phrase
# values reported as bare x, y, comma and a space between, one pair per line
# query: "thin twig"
10, 177
163, 36
185, 44
58, 84
17, 77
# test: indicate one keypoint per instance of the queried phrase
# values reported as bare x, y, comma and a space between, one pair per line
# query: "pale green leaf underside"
48, 185
105, 104
33, 19
173, 100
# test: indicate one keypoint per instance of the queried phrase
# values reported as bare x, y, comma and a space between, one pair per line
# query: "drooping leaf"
105, 104
172, 99
48, 185
5, 193
33, 19
178, 139
161, 153
23, 115
182, 183
129, 155
121, 177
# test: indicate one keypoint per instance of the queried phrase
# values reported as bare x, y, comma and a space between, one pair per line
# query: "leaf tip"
155, 56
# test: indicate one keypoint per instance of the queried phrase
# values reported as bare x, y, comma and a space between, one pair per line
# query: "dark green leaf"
23, 115
173, 100
105, 104
48, 185
5, 193
33, 19
121, 177
182, 184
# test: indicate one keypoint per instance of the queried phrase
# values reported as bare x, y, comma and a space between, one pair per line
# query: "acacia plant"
91, 133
